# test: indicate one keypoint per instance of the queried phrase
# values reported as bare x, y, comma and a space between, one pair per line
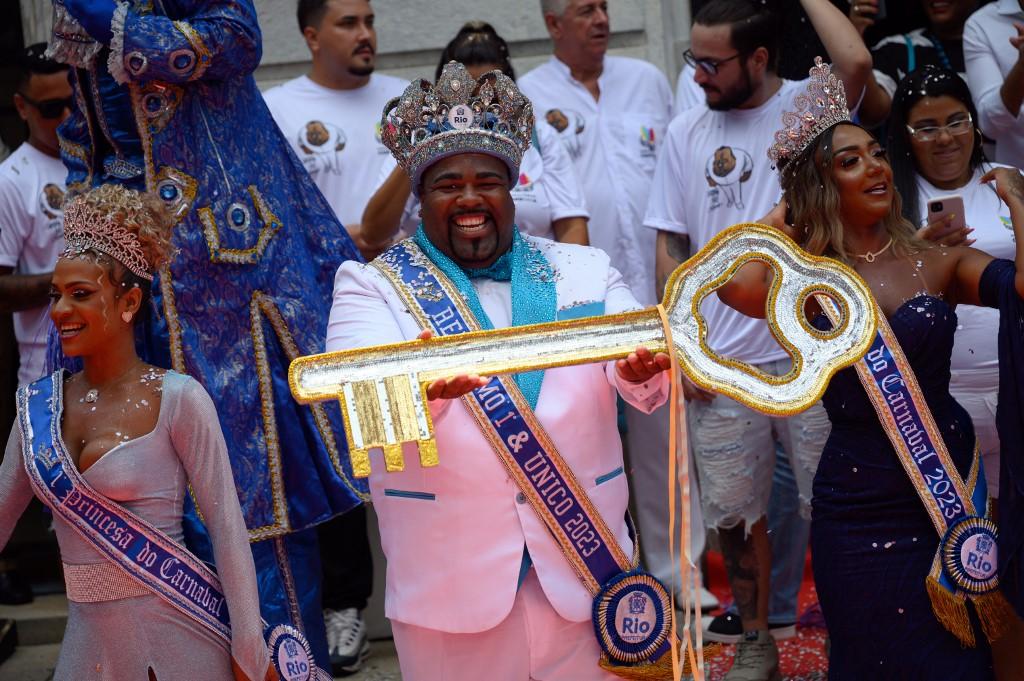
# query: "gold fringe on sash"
951, 611
996, 614
657, 671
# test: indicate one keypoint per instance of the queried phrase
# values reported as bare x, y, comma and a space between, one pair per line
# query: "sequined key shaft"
382, 388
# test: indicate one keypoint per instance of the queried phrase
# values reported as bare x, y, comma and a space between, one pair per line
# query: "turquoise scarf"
534, 300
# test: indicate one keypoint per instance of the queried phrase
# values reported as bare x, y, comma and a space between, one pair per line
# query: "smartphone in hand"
942, 206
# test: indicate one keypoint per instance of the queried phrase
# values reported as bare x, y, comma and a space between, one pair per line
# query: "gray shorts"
734, 447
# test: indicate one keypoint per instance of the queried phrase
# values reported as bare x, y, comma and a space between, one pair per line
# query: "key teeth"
428, 453
360, 459
393, 461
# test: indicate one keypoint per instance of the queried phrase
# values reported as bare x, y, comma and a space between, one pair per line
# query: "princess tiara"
458, 115
821, 107
87, 228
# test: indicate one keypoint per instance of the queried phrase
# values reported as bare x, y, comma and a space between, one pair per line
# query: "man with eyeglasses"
31, 194
714, 172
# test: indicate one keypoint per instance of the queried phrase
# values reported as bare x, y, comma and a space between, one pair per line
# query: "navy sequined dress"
871, 538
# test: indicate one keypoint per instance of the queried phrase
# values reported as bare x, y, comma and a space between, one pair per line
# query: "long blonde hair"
813, 200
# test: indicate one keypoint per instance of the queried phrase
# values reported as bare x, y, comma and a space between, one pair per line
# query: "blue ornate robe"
171, 106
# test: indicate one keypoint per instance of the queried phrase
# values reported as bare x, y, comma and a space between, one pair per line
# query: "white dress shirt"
989, 57
613, 141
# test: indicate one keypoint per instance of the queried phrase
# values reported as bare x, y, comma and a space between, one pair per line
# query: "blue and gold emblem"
969, 555
631, 618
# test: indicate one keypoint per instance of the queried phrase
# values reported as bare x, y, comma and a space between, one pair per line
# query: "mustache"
365, 44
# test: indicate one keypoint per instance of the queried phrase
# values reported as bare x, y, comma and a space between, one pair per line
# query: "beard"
361, 70
734, 96
475, 250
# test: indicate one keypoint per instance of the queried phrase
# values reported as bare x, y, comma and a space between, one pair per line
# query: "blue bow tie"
499, 270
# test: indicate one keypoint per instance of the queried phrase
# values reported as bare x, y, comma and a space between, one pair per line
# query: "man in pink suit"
478, 587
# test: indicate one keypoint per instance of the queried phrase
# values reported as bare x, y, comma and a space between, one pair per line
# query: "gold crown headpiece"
458, 115
87, 228
817, 110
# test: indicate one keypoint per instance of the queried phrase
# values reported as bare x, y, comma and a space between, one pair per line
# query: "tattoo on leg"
741, 566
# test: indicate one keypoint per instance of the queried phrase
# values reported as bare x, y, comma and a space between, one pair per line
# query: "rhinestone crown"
87, 228
458, 115
817, 110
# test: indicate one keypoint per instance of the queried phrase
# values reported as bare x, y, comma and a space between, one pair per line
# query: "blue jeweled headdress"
458, 115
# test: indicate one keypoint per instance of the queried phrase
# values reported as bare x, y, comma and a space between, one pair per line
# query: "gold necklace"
870, 257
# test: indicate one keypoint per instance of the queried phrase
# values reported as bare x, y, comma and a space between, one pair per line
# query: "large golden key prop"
382, 388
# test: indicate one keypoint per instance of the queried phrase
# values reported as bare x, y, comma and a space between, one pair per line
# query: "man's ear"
554, 25
312, 37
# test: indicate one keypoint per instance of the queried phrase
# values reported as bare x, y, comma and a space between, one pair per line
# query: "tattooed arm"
672, 250
1009, 185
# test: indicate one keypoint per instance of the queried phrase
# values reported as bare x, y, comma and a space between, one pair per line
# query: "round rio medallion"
970, 555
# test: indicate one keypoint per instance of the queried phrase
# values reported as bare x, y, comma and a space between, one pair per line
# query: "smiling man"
477, 585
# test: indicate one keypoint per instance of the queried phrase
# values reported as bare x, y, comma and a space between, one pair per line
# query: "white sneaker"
346, 640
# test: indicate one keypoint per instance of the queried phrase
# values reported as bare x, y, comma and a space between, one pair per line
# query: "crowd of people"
163, 271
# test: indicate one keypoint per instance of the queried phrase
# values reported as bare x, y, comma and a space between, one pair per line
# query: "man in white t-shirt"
994, 55
331, 116
31, 235
714, 172
31, 194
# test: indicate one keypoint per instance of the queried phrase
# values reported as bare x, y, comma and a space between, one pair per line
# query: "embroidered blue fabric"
534, 299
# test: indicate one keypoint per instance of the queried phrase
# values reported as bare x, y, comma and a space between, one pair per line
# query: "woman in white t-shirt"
548, 197
936, 151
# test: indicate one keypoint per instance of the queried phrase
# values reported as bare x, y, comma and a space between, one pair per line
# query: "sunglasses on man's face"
50, 108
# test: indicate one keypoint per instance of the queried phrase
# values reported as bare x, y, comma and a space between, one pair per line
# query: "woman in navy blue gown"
872, 539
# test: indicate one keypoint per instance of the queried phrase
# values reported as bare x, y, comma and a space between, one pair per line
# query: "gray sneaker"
346, 640
757, 659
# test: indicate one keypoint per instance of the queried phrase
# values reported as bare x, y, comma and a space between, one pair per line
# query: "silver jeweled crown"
821, 107
458, 115
87, 228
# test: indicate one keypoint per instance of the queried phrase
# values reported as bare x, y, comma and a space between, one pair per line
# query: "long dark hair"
475, 44
927, 81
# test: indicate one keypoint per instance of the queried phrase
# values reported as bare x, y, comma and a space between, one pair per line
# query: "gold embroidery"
240, 256
203, 56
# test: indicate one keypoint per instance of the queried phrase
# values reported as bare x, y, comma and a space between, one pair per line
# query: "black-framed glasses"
50, 108
709, 66
930, 133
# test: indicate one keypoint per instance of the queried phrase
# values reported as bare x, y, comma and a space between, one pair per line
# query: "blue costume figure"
166, 102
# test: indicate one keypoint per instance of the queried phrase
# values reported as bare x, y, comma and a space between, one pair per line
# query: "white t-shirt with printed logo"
614, 142
714, 172
31, 238
975, 360
547, 190
336, 135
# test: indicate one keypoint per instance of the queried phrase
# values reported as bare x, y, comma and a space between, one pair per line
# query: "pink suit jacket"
454, 534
